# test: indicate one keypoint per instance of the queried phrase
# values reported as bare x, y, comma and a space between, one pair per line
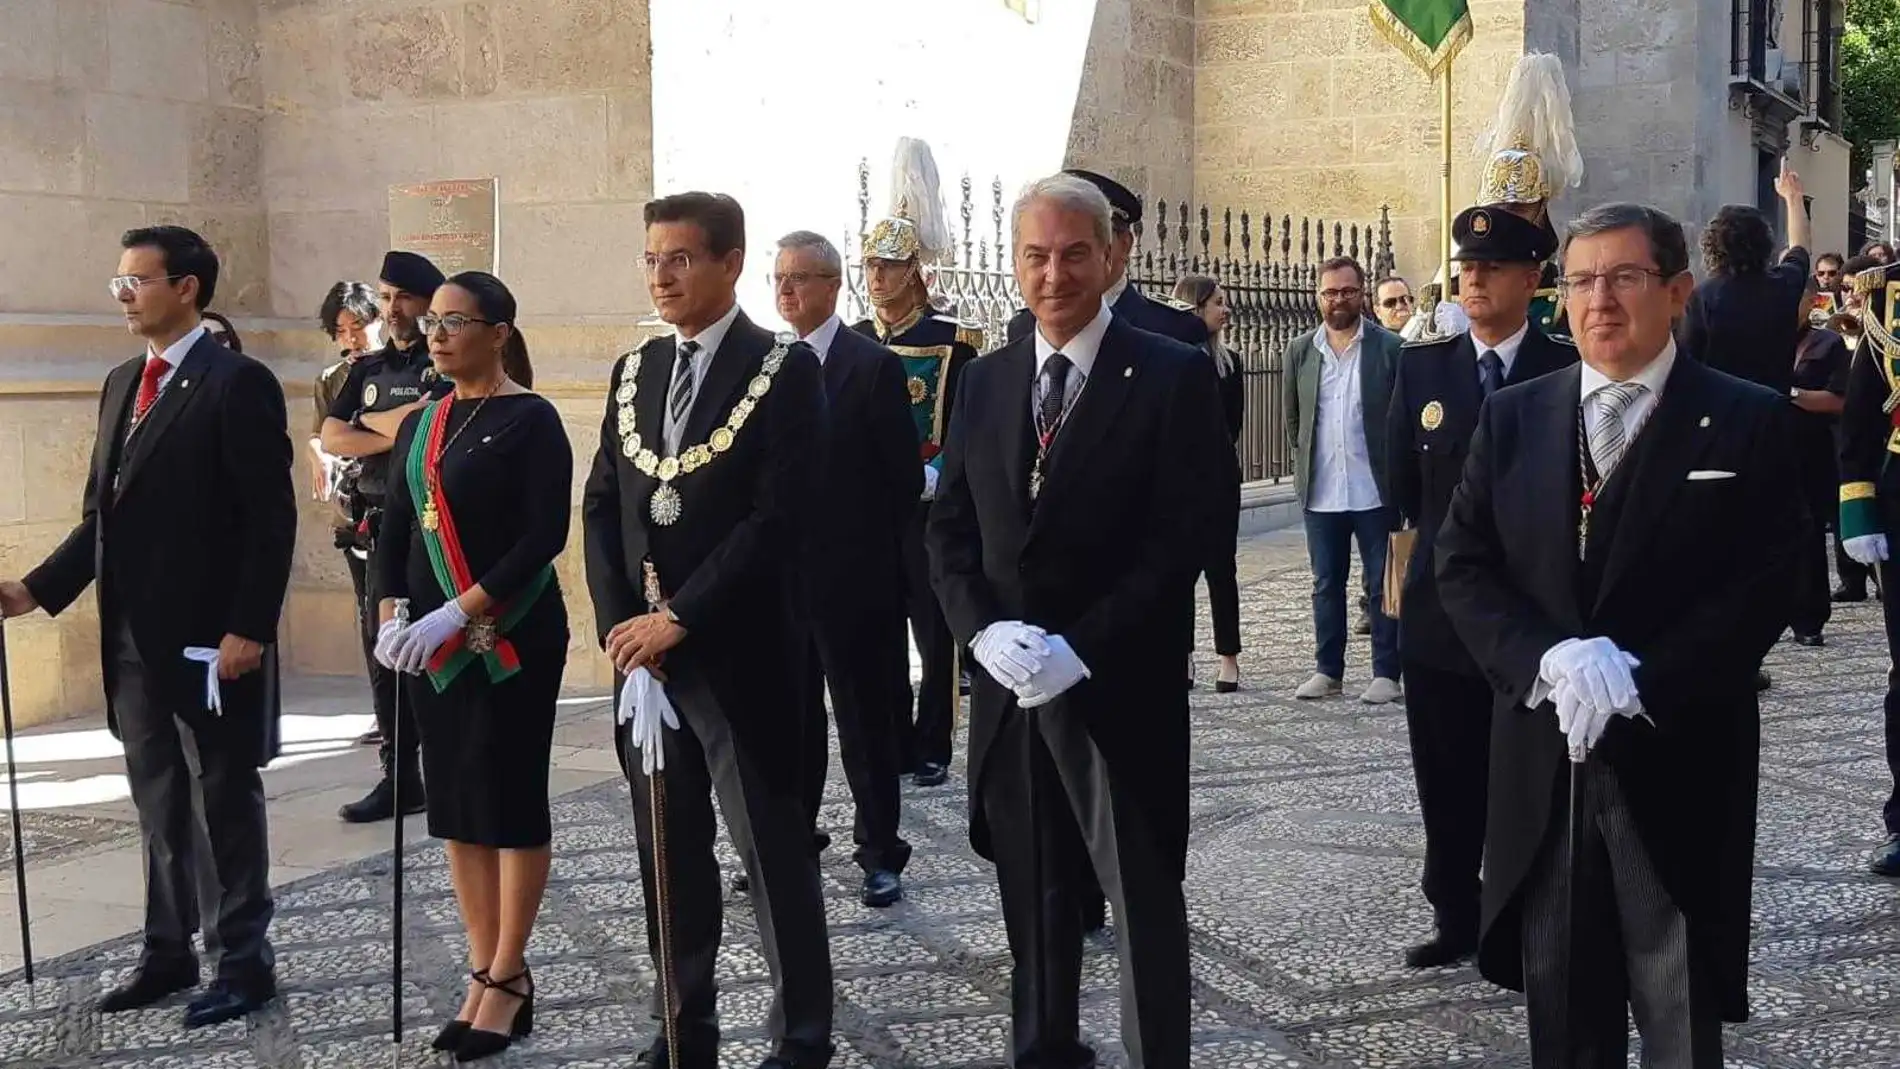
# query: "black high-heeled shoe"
451, 1035
481, 1043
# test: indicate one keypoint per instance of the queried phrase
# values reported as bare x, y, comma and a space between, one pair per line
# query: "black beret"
411, 273
1124, 204
1486, 233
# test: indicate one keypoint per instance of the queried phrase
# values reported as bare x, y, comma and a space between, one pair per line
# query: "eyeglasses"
1396, 302
451, 324
799, 278
123, 286
1335, 296
1625, 280
679, 262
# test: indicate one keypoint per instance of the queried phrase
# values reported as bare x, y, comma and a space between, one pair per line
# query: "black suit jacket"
1691, 575
1424, 465
195, 542
1134, 488
730, 566
1139, 311
1747, 325
872, 480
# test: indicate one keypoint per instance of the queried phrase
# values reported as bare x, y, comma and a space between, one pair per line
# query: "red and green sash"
424, 470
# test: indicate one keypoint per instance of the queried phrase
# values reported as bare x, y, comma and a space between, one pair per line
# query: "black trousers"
928, 739
1890, 615
1223, 601
1813, 602
202, 832
772, 836
1049, 804
382, 682
1448, 716
860, 657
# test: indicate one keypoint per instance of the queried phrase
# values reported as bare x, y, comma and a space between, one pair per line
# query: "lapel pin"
1704, 423
1128, 373
184, 384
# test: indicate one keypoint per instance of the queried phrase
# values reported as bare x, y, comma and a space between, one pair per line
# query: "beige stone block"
82, 51
309, 251
232, 54
546, 244
1174, 92
404, 54
1138, 84
39, 231
1100, 85
60, 435
346, 158
1156, 31
1236, 97
1383, 84
629, 145
318, 634
29, 49
157, 50
481, 51
581, 44
24, 546
1113, 24
42, 138
35, 668
13, 474
545, 150
106, 223
296, 68
241, 238
227, 156
138, 149
1209, 11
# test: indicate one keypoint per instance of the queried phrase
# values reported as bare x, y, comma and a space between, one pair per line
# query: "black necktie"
1490, 372
1049, 412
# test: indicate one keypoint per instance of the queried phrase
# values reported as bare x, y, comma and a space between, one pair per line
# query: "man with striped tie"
1615, 558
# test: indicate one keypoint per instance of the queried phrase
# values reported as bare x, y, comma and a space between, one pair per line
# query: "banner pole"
1444, 178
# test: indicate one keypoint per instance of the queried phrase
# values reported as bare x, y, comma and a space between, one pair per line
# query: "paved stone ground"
1301, 892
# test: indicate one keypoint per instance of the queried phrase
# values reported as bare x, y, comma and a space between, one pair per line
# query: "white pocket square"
1704, 476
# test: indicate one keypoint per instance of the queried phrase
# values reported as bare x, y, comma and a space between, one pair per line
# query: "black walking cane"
1573, 863
13, 807
395, 926
662, 881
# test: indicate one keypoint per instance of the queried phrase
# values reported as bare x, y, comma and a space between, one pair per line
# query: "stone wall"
1134, 109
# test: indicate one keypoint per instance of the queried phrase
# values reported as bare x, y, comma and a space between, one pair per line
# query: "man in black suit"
871, 483
1083, 486
1616, 560
1436, 395
696, 515
187, 527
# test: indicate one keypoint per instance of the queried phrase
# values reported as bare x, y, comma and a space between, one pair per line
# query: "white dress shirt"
1650, 378
708, 340
1506, 350
174, 355
1342, 466
820, 339
1081, 351
1115, 292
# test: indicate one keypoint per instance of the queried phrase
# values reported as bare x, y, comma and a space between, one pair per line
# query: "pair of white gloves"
643, 701
405, 647
1867, 549
930, 484
1590, 681
1035, 664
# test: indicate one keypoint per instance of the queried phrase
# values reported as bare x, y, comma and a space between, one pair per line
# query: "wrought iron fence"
1267, 266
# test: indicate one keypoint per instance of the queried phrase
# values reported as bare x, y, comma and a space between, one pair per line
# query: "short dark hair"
231, 339
497, 305
1839, 261
1738, 241
718, 215
1855, 265
1668, 245
1338, 262
1400, 279
356, 298
186, 255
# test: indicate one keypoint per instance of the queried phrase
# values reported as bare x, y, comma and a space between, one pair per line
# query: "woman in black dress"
479, 504
1223, 581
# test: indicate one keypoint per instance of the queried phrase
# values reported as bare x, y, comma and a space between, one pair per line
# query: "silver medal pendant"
665, 505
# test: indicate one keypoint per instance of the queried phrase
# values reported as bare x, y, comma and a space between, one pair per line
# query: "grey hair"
1668, 245
808, 239
1069, 192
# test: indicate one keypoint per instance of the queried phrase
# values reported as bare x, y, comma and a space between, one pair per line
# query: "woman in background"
222, 331
1223, 583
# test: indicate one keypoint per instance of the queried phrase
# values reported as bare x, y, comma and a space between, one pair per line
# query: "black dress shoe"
1226, 686
931, 774
1843, 595
1886, 860
1809, 640
740, 883
1444, 948
656, 1057
380, 803
803, 1061
151, 983
1363, 626
881, 888
223, 1002
451, 1035
820, 842
1763, 681
479, 1043
1094, 913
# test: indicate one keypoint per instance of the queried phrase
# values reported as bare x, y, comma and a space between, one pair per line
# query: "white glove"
388, 637
208, 656
1867, 549
1583, 724
1011, 651
643, 700
1594, 667
421, 639
1060, 671
930, 484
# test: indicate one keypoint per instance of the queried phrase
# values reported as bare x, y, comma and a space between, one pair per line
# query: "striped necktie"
1608, 440
680, 400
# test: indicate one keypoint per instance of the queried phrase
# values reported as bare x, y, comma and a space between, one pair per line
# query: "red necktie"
155, 369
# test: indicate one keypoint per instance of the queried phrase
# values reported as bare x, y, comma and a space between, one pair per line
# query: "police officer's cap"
1124, 205
411, 273
1493, 234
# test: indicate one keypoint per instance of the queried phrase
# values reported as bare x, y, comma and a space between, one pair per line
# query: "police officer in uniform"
381, 390
1436, 395
1870, 494
935, 349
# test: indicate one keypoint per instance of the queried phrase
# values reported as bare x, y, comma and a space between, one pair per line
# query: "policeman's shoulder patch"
1564, 340
1175, 303
1428, 343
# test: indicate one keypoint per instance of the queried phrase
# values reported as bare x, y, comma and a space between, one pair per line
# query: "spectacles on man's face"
677, 262
799, 279
1351, 293
1624, 281
451, 324
123, 287
1403, 300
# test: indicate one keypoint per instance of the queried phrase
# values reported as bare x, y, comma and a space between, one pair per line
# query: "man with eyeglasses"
1436, 397
189, 520
383, 388
1392, 303
871, 483
1616, 559
935, 350
1340, 375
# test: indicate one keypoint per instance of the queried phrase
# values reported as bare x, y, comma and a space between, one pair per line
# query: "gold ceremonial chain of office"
1586, 464
666, 506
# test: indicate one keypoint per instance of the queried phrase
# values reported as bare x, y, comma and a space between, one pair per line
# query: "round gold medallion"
669, 469
918, 390
721, 440
1431, 415
758, 386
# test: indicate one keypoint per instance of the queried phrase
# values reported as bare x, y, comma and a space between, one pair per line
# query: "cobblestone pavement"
1302, 893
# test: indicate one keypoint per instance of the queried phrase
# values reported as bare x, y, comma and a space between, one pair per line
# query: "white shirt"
708, 340
1081, 351
174, 355
820, 339
1506, 350
1115, 292
1342, 466
1650, 378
